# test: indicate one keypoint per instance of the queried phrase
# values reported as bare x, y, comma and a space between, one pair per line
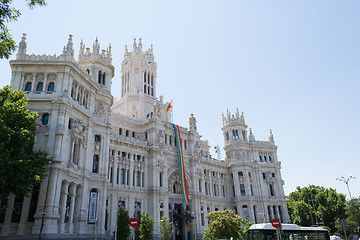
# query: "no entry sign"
134, 222
275, 223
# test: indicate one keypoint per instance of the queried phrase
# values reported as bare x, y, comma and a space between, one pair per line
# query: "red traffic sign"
275, 223
134, 222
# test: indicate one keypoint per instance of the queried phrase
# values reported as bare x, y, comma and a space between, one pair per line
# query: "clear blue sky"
291, 66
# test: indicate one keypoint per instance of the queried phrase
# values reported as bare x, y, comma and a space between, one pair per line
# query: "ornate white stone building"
109, 153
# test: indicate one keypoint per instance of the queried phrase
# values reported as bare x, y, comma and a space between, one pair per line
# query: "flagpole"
172, 120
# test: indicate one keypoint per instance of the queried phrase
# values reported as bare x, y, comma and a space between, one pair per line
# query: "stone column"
251, 213
236, 184
72, 195
113, 209
277, 212
45, 81
24, 215
63, 199
8, 212
72, 150
77, 208
271, 212
247, 184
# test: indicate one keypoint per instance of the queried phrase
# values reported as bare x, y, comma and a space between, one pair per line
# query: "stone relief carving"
100, 109
174, 183
160, 138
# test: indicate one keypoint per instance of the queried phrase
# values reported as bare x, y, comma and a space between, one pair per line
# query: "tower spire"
135, 46
22, 47
96, 46
68, 51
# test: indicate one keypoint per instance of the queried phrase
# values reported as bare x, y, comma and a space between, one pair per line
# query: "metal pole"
346, 181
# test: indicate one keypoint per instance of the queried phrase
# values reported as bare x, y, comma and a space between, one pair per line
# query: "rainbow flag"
184, 189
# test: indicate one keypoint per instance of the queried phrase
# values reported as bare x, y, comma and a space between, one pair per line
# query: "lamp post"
346, 181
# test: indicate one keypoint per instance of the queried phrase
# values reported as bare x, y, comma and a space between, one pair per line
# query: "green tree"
315, 205
123, 224
225, 224
353, 216
146, 226
9, 14
21, 165
166, 228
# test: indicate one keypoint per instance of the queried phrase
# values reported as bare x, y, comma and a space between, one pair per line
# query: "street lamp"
346, 181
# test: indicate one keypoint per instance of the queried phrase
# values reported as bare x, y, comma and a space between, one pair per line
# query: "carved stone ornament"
174, 183
100, 109
160, 138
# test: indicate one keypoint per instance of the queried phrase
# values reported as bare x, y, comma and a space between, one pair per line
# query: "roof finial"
22, 46
135, 46
68, 50
251, 136
96, 46
271, 137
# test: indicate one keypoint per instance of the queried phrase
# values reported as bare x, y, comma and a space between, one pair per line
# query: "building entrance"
182, 219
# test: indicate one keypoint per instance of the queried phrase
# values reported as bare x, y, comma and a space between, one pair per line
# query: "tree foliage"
21, 165
9, 14
315, 205
166, 228
146, 226
353, 216
225, 224
123, 224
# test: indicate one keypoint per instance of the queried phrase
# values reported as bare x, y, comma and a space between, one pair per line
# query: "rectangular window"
117, 175
240, 174
138, 179
122, 176
242, 189
120, 131
121, 204
111, 174
271, 189
95, 166
97, 138
264, 175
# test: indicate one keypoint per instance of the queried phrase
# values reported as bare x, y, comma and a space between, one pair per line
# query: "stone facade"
109, 153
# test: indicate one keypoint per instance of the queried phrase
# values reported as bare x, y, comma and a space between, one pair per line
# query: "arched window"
269, 158
51, 87
260, 159
45, 119
39, 87
28, 87
264, 158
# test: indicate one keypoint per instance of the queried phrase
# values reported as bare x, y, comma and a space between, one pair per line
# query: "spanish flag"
169, 106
